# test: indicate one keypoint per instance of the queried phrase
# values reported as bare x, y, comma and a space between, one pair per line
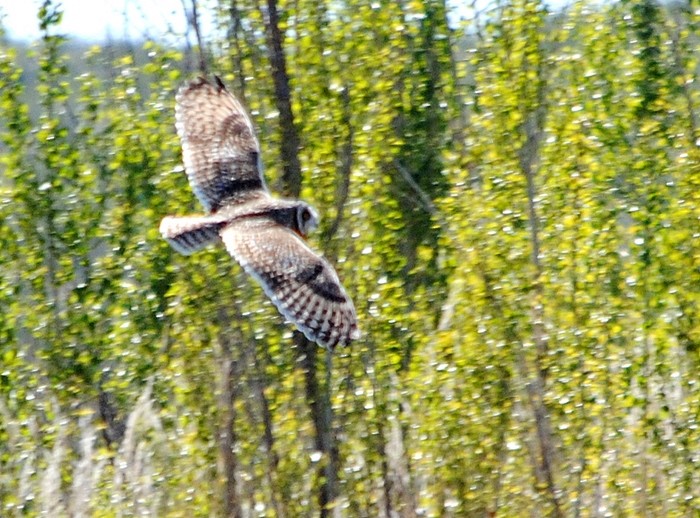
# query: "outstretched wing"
303, 285
219, 148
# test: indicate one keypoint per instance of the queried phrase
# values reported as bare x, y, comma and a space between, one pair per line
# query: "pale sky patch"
98, 20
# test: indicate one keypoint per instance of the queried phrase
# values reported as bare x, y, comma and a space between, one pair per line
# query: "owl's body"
264, 234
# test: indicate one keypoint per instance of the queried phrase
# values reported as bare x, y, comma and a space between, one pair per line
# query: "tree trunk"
291, 168
226, 436
194, 21
535, 382
317, 395
318, 399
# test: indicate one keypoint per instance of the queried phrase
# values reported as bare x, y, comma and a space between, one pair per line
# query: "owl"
264, 234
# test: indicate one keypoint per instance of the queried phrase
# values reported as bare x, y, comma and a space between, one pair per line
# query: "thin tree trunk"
291, 172
235, 35
317, 394
685, 79
258, 386
346, 156
192, 18
226, 437
535, 382
194, 21
318, 399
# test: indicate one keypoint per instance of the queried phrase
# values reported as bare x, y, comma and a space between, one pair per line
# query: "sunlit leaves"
414, 136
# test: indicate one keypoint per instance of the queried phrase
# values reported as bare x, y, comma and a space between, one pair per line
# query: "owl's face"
307, 219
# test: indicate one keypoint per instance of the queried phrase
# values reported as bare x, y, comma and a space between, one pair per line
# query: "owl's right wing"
219, 147
304, 286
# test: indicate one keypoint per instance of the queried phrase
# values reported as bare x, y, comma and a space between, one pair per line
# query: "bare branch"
194, 21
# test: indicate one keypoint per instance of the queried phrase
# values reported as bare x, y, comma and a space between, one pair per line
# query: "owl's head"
307, 218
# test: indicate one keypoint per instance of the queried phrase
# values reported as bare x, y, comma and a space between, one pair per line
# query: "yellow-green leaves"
511, 201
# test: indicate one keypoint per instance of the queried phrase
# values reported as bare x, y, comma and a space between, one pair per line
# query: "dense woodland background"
510, 194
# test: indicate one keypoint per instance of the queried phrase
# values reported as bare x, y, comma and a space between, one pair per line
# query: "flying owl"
265, 235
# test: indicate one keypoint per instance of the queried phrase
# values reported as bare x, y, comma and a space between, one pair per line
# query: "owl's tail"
188, 234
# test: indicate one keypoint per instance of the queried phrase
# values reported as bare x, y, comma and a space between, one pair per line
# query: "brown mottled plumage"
222, 162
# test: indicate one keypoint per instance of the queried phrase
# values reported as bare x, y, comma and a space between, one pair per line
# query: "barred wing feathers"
304, 286
219, 147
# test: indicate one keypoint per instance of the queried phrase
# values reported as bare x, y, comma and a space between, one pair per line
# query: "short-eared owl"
264, 234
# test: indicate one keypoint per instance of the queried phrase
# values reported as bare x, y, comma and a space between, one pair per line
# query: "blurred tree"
511, 199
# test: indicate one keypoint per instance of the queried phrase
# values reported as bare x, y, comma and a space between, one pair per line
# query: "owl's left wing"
304, 286
219, 147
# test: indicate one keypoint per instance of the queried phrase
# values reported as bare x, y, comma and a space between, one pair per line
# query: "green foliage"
512, 202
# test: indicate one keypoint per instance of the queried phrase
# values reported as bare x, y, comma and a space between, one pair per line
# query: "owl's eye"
306, 220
